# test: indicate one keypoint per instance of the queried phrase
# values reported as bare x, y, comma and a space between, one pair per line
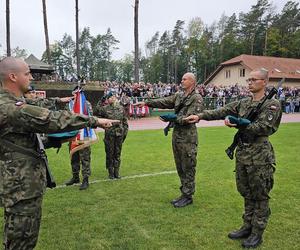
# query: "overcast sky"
155, 15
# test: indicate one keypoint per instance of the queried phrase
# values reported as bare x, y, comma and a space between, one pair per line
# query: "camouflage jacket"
21, 176
48, 103
117, 112
183, 106
254, 147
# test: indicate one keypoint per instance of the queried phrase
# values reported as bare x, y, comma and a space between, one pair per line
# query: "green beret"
240, 122
168, 117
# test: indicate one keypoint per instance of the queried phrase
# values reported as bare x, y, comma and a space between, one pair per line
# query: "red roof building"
237, 69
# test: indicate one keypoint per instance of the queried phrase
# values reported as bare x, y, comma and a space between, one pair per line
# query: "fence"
209, 104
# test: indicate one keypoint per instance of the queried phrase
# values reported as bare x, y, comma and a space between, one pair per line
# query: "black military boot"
116, 173
111, 173
75, 179
184, 201
253, 241
243, 232
85, 183
176, 200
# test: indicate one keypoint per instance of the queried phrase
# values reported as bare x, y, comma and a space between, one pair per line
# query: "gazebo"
37, 66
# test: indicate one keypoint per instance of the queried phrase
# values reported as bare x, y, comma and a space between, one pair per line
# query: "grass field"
136, 213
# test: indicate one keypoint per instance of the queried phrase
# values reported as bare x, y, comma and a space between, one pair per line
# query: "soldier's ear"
12, 77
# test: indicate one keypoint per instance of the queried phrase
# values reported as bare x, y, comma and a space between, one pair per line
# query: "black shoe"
243, 232
176, 200
72, 181
254, 240
185, 201
111, 174
85, 184
116, 173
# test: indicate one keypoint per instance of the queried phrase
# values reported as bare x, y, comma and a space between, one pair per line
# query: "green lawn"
136, 213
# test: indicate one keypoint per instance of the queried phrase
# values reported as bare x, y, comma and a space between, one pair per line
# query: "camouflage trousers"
22, 224
185, 155
113, 148
82, 156
254, 183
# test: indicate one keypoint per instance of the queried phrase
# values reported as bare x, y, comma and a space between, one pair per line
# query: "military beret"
240, 122
168, 117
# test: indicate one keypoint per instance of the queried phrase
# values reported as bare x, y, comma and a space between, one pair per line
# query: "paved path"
155, 123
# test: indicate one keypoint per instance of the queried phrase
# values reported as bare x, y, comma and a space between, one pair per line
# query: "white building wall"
221, 80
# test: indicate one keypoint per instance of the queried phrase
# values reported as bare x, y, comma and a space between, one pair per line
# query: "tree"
58, 59
165, 51
85, 62
102, 47
19, 53
67, 46
230, 43
151, 46
46, 30
195, 32
136, 41
8, 50
178, 43
253, 27
126, 68
287, 23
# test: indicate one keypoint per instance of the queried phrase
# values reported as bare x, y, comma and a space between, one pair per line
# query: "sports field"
135, 212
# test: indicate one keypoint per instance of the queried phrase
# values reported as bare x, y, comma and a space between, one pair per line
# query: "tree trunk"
77, 41
8, 50
46, 32
175, 69
266, 42
136, 41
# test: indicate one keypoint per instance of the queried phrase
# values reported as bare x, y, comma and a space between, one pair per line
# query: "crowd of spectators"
214, 96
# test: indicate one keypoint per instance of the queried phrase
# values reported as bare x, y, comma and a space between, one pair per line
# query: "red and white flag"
86, 136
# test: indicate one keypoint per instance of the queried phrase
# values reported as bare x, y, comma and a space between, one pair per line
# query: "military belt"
250, 140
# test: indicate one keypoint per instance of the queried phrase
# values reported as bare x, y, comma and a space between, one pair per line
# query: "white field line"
124, 178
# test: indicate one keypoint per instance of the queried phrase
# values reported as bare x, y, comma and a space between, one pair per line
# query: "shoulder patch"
35, 112
270, 116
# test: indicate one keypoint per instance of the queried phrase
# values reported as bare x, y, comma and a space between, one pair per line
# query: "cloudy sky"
155, 15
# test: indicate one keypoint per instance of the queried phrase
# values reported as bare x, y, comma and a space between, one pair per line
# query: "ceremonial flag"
86, 136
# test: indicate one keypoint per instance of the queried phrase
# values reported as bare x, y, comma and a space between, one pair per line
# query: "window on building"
242, 72
227, 73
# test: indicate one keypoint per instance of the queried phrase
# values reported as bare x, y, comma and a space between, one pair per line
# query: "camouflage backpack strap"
19, 149
34, 154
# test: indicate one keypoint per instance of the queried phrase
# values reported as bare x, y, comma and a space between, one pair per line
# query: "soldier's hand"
66, 99
192, 119
228, 124
139, 104
106, 123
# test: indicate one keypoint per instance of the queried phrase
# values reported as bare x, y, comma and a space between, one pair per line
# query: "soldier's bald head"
191, 76
263, 73
10, 65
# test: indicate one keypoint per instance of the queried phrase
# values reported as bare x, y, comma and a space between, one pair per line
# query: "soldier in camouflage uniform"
82, 156
255, 159
22, 176
115, 135
185, 138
